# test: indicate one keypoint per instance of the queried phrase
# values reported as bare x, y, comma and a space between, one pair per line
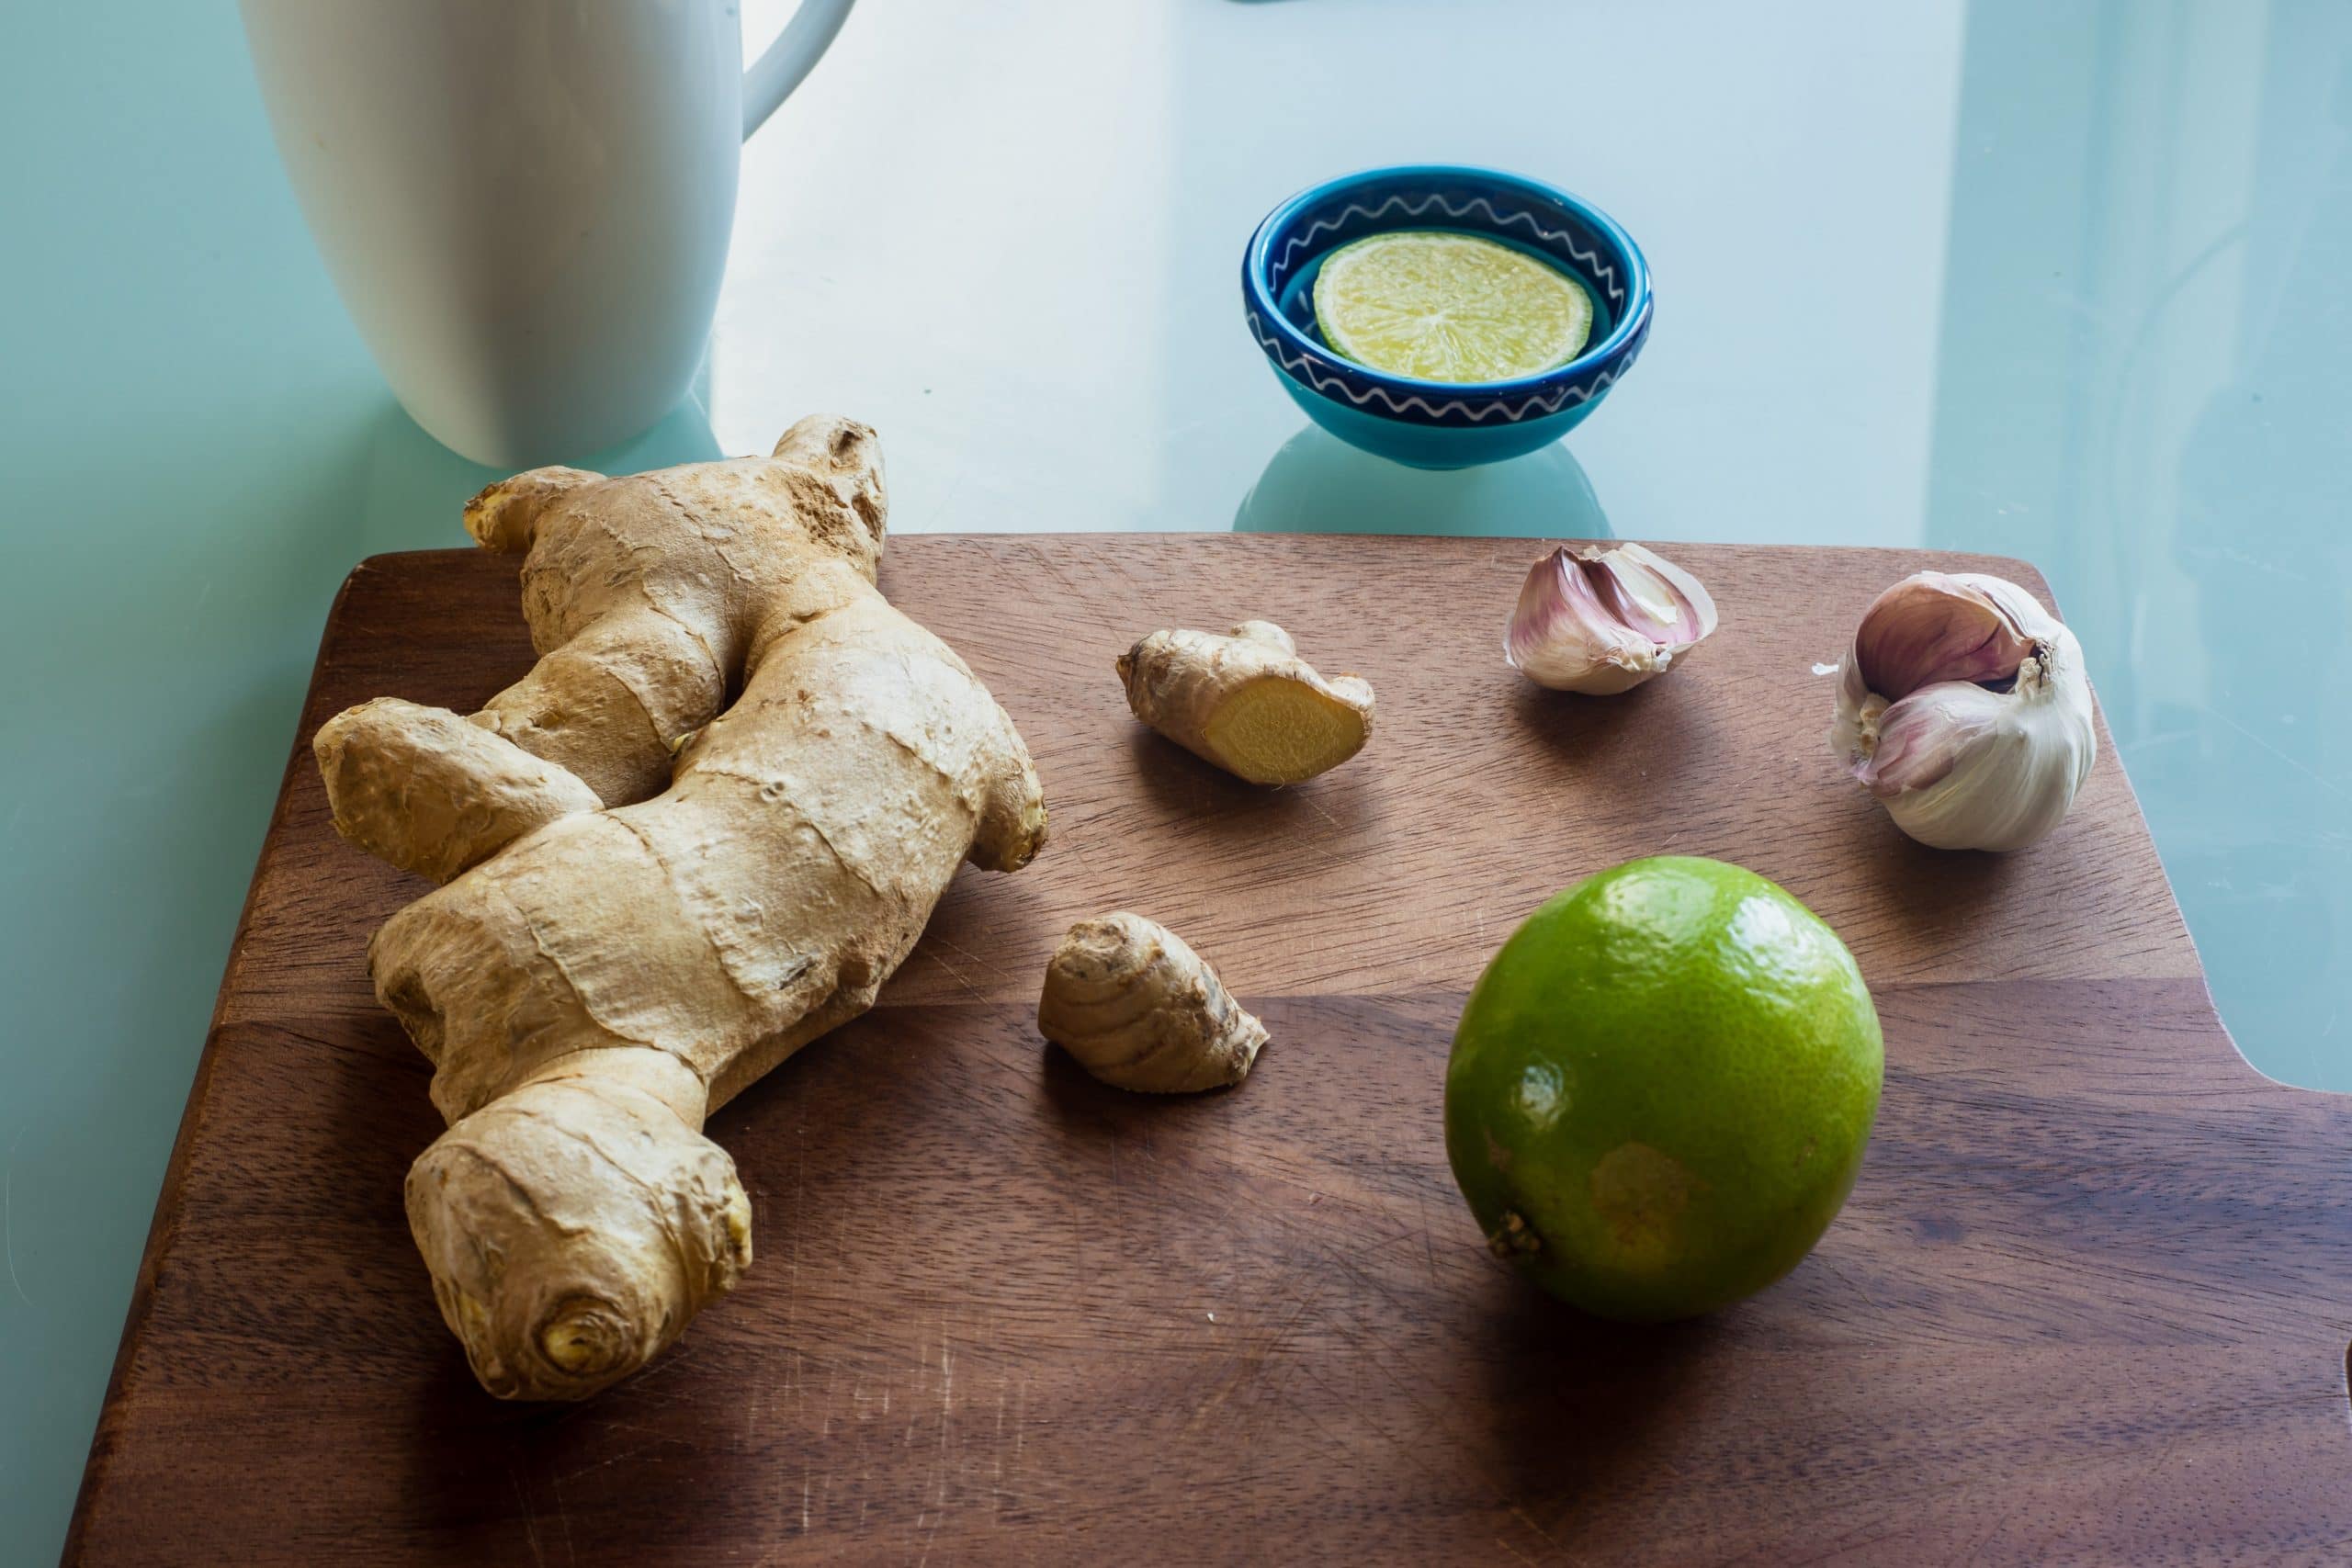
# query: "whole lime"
1661, 1088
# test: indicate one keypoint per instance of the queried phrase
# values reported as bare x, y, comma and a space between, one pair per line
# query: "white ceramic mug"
526, 203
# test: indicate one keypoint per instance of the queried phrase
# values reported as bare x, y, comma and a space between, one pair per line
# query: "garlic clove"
1924, 736
1987, 734
1602, 620
1563, 636
1932, 627
1653, 595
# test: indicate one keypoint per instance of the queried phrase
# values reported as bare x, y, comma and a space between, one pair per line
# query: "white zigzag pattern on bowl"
1303, 368
1604, 270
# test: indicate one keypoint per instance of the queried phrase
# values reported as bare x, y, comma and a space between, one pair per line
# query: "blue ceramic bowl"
1443, 424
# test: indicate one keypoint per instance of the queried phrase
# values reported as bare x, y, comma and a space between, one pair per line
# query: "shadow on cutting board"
1572, 1399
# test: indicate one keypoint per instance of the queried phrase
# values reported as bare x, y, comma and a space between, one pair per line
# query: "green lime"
1444, 307
1661, 1088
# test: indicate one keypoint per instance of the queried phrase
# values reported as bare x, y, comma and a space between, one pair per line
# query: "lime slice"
1445, 307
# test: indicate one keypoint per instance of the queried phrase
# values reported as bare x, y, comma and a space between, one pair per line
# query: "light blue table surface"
2062, 280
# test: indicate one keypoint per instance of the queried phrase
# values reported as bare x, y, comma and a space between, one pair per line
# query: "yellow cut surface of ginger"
1246, 702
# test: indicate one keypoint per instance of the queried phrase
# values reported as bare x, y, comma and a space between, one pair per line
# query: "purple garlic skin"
1964, 709
1602, 619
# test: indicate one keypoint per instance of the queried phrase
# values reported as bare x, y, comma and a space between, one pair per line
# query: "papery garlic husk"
1963, 706
1603, 619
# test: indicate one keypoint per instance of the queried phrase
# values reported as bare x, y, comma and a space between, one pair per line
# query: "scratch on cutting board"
957, 974
1529, 1520
993, 967
615, 1458
530, 1522
996, 1492
750, 1417
563, 1517
938, 1510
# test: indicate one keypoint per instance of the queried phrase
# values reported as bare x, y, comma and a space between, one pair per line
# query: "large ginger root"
1139, 1010
612, 967
1246, 702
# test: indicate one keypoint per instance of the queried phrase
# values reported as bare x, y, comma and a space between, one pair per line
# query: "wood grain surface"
2090, 1301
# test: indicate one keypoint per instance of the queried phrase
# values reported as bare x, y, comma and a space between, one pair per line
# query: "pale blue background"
2066, 281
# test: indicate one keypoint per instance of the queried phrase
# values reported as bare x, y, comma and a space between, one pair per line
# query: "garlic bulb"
1963, 706
1603, 620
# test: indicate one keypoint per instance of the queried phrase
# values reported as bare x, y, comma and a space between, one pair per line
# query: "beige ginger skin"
1246, 701
650, 902
1139, 1010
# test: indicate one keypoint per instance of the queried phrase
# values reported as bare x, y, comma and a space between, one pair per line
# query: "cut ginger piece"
1246, 701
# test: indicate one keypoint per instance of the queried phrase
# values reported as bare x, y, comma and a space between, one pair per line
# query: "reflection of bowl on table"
1438, 425
1317, 484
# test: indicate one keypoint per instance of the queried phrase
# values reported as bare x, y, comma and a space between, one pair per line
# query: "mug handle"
789, 58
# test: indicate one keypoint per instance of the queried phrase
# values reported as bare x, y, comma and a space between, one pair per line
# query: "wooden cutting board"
2089, 1302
